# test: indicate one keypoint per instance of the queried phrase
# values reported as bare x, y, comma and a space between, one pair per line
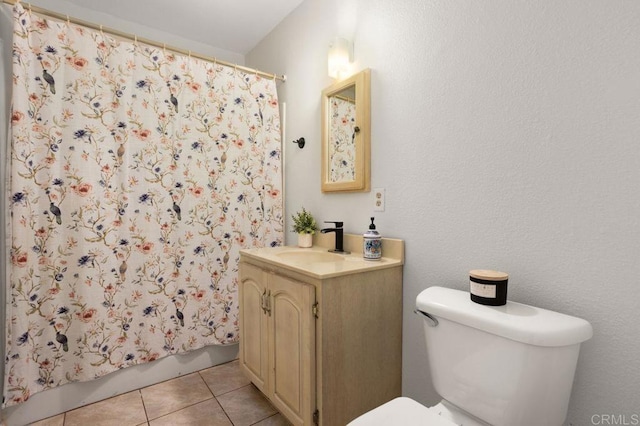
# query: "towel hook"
300, 143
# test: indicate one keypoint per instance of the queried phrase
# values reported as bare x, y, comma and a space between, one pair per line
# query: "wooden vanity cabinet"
323, 350
278, 340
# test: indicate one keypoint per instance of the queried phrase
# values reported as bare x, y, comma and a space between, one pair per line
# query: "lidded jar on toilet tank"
506, 365
488, 287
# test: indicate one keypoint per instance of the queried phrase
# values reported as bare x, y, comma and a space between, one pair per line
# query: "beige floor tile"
276, 420
122, 410
207, 413
174, 395
246, 406
224, 378
50, 421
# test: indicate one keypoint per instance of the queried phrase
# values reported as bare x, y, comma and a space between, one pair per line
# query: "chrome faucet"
339, 236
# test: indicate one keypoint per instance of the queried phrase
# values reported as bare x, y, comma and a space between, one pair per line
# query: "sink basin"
310, 256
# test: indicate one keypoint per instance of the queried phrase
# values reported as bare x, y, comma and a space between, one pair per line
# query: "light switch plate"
378, 200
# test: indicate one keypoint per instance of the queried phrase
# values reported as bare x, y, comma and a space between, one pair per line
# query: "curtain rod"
163, 46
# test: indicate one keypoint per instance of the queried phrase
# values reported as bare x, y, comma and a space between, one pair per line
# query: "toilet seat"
401, 411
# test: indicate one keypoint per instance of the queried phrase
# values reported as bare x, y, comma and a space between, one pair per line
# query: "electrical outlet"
378, 200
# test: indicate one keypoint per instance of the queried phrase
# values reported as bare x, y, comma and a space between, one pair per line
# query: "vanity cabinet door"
292, 353
253, 325
278, 340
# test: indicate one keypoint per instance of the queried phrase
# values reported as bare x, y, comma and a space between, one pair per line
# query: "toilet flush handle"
431, 320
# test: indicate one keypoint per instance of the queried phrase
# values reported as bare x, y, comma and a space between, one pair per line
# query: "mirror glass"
346, 135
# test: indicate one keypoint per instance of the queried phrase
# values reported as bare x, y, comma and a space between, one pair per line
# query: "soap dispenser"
372, 249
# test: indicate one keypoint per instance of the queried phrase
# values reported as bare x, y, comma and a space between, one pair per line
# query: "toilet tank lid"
515, 321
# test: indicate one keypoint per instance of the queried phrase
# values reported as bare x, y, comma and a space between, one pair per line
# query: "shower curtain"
136, 176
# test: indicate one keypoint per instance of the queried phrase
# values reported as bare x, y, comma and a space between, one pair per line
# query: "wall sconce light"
340, 56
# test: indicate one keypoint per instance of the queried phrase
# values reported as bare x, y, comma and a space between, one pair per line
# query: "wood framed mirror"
346, 135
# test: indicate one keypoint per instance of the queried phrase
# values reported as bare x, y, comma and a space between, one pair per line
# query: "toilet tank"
506, 365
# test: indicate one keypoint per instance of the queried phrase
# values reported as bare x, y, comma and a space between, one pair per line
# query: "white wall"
70, 396
507, 136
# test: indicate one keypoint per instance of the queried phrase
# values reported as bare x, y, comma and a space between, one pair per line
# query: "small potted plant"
305, 226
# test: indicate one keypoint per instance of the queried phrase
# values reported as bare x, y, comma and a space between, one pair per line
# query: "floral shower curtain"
136, 176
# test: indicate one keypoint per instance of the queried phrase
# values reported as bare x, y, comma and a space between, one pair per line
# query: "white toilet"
510, 365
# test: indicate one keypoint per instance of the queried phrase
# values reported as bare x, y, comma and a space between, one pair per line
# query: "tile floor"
217, 396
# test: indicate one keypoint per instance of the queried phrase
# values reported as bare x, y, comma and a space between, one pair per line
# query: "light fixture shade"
339, 57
